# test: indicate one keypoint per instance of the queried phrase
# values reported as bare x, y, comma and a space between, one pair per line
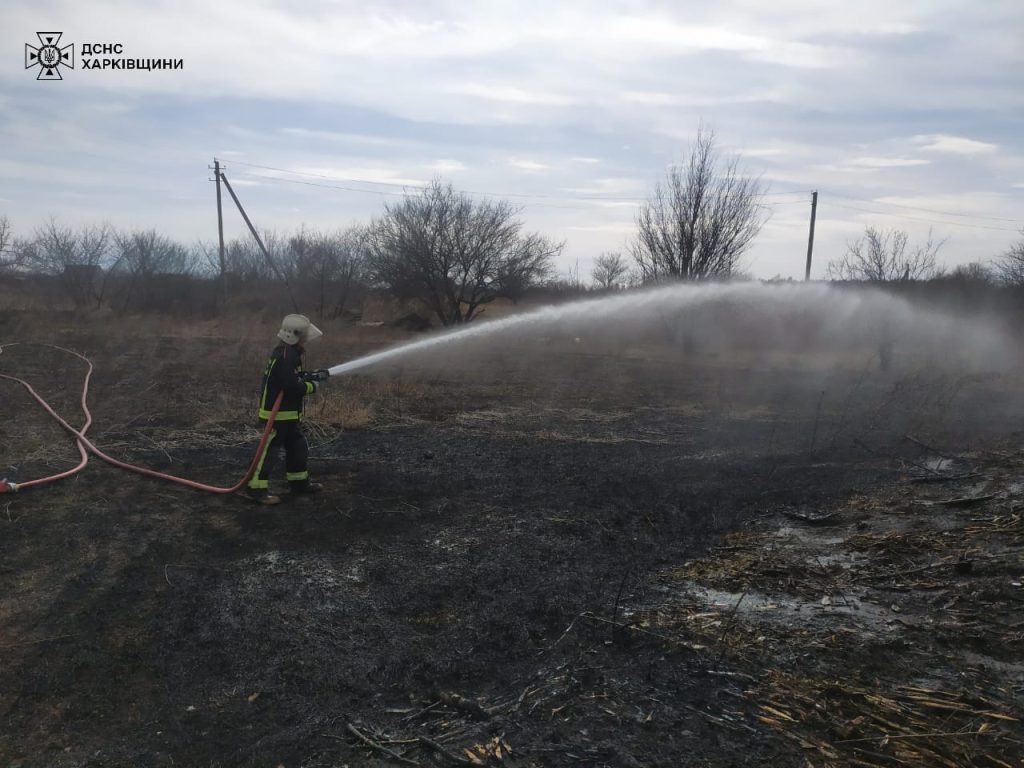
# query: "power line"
408, 189
318, 175
466, 191
527, 204
917, 218
927, 210
335, 186
539, 195
407, 194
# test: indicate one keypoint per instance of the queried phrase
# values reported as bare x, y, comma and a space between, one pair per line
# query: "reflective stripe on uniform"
266, 386
281, 415
293, 476
256, 484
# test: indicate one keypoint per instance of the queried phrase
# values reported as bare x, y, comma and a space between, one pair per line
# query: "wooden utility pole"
810, 237
220, 216
220, 229
259, 242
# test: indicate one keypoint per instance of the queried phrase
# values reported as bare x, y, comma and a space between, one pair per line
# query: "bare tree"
883, 256
350, 262
610, 271
975, 273
1009, 268
76, 258
331, 267
146, 252
281, 259
11, 253
151, 267
454, 253
528, 265
700, 220
244, 261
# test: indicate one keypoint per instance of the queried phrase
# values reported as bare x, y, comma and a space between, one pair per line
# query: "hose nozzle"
6, 486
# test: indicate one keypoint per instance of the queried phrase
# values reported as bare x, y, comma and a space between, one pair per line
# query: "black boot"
262, 497
305, 487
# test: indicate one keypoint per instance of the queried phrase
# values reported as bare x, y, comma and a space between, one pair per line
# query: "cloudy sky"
902, 114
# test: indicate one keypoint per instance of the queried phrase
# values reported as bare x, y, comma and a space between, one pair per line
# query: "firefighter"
284, 373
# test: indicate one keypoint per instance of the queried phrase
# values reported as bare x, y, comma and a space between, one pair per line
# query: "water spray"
737, 310
844, 317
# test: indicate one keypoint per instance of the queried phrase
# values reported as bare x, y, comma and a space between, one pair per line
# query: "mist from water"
800, 318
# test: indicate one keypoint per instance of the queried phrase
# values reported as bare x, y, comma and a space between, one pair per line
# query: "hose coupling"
7, 486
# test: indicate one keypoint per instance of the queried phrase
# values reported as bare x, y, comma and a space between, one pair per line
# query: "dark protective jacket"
282, 375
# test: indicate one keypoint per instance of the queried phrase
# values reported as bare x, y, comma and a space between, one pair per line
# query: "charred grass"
591, 559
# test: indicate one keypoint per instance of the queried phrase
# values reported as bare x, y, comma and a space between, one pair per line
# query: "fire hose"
86, 446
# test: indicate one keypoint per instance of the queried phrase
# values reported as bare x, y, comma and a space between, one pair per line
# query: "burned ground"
605, 560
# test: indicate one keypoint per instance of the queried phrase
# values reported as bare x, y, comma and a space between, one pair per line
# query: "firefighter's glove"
321, 374
311, 387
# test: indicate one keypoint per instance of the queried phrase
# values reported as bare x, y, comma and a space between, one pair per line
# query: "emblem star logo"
49, 56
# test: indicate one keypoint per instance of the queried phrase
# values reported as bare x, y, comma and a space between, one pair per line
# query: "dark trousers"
287, 435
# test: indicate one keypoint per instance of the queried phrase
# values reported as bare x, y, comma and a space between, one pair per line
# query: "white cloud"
885, 162
617, 186
651, 98
896, 28
654, 35
446, 166
319, 174
509, 93
341, 137
957, 145
529, 165
629, 204
764, 152
621, 228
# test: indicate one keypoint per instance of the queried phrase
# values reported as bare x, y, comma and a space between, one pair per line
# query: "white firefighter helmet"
296, 328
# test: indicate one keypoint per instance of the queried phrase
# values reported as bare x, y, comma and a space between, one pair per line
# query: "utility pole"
810, 237
220, 227
259, 242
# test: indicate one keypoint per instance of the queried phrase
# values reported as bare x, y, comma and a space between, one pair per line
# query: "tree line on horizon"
454, 255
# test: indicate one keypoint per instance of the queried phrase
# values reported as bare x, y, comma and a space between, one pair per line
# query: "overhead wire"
594, 201
406, 186
918, 218
926, 210
591, 200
